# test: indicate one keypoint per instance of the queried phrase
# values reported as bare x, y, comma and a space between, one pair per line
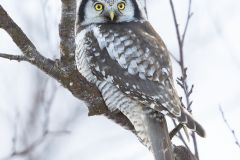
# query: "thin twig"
46, 30
47, 108
18, 58
20, 38
177, 32
15, 131
34, 145
145, 8
189, 15
40, 100
175, 130
182, 81
181, 136
25, 45
229, 127
173, 56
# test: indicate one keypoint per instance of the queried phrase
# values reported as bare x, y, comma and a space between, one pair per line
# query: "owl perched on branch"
119, 51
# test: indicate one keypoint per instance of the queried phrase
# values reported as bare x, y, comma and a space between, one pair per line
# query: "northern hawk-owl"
119, 51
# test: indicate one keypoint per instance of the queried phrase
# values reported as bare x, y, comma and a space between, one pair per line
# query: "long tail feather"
187, 119
158, 135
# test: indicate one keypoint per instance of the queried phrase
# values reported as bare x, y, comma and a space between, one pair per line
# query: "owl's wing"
134, 59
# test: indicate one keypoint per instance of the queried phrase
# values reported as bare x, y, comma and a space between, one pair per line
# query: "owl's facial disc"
108, 11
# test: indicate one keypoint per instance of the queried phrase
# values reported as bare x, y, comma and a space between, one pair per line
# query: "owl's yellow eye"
121, 6
98, 7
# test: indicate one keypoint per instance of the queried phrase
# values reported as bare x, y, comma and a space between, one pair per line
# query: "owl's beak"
111, 15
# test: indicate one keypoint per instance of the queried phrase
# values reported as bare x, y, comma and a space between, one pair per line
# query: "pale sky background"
212, 55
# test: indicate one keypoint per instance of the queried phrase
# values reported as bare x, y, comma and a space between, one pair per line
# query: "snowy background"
212, 55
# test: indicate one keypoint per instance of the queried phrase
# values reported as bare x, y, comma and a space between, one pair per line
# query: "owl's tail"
186, 118
157, 135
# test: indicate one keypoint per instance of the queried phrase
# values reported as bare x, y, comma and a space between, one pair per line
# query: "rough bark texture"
66, 73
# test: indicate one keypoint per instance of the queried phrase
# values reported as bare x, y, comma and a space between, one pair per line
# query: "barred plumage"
129, 63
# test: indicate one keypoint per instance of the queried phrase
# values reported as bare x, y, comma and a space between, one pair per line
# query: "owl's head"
109, 11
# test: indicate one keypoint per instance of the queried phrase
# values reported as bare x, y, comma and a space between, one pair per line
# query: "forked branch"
182, 81
30, 53
64, 70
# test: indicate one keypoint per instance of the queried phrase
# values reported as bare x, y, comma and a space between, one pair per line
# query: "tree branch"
25, 45
39, 100
33, 145
18, 58
180, 136
182, 81
189, 15
64, 72
229, 127
67, 30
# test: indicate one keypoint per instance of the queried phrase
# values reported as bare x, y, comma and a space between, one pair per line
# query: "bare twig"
44, 6
181, 136
175, 130
177, 31
182, 81
229, 127
39, 101
145, 8
189, 15
195, 145
18, 58
173, 56
15, 131
25, 45
33, 145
